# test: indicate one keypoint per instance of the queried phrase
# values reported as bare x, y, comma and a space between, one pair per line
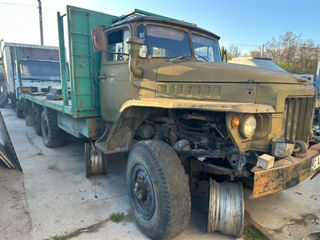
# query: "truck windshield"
167, 42
39, 70
164, 42
205, 49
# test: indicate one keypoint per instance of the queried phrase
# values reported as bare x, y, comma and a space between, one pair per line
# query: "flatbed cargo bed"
53, 104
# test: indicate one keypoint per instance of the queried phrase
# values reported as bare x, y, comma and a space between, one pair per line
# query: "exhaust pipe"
134, 49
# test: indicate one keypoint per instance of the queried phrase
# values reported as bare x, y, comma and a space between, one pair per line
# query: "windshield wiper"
204, 58
180, 57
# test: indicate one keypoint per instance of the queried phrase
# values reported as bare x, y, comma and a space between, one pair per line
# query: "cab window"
163, 41
117, 47
141, 34
205, 49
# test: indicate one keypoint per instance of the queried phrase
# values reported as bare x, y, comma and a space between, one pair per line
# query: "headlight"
248, 125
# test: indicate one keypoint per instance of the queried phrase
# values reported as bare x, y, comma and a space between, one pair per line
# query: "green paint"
84, 62
81, 127
63, 62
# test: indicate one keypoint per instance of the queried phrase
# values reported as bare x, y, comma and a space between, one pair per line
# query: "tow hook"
315, 174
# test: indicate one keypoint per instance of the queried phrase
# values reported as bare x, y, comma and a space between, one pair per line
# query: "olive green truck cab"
157, 88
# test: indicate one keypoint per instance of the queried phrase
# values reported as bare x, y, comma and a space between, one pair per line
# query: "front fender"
122, 131
134, 112
199, 105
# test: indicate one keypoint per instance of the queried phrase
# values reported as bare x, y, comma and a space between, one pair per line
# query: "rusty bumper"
286, 173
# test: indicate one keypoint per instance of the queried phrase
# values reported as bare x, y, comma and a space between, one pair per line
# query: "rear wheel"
52, 135
158, 189
19, 110
37, 120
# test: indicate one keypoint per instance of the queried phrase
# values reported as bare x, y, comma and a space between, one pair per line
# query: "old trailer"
157, 88
28, 68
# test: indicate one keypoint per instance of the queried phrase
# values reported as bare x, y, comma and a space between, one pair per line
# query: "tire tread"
57, 136
174, 186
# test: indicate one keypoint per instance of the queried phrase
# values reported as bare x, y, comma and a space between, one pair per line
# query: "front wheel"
52, 135
158, 189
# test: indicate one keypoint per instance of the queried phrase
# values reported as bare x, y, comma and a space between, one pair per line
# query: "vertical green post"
63, 63
18, 70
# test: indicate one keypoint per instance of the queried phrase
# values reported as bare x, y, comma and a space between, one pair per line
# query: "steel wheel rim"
142, 192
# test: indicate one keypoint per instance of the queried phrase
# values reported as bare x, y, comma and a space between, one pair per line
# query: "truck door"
115, 87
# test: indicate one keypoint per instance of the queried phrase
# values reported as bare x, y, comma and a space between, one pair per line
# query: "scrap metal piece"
282, 150
95, 160
8, 155
226, 208
265, 161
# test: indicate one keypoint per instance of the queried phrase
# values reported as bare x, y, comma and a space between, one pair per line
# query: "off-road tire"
3, 99
19, 111
13, 100
52, 135
37, 120
170, 186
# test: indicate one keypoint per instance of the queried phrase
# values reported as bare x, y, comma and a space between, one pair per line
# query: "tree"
233, 52
254, 53
294, 54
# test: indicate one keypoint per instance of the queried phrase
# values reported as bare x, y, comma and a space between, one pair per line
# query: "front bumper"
286, 173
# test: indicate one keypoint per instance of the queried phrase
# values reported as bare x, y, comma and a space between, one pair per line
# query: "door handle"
98, 76
102, 76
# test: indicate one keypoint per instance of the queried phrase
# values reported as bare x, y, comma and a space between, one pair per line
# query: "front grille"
298, 117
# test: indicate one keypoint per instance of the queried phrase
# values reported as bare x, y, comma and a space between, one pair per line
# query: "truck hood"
192, 71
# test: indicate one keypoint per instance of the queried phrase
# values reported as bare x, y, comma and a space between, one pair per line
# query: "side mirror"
99, 39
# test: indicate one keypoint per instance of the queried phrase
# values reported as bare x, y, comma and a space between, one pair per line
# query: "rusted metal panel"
298, 115
84, 127
286, 173
8, 155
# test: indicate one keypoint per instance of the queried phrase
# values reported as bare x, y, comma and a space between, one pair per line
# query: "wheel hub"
142, 192
96, 162
226, 208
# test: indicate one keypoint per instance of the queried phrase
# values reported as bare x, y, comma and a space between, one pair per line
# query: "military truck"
28, 68
156, 88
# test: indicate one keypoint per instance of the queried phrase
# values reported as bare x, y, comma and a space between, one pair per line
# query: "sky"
246, 24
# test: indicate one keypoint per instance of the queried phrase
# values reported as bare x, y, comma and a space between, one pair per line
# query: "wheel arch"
123, 129
134, 112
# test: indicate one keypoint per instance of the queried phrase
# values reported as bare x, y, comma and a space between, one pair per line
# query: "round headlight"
248, 126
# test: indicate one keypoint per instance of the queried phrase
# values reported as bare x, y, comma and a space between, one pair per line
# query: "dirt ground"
54, 198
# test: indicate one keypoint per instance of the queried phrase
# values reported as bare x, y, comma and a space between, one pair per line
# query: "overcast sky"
246, 24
